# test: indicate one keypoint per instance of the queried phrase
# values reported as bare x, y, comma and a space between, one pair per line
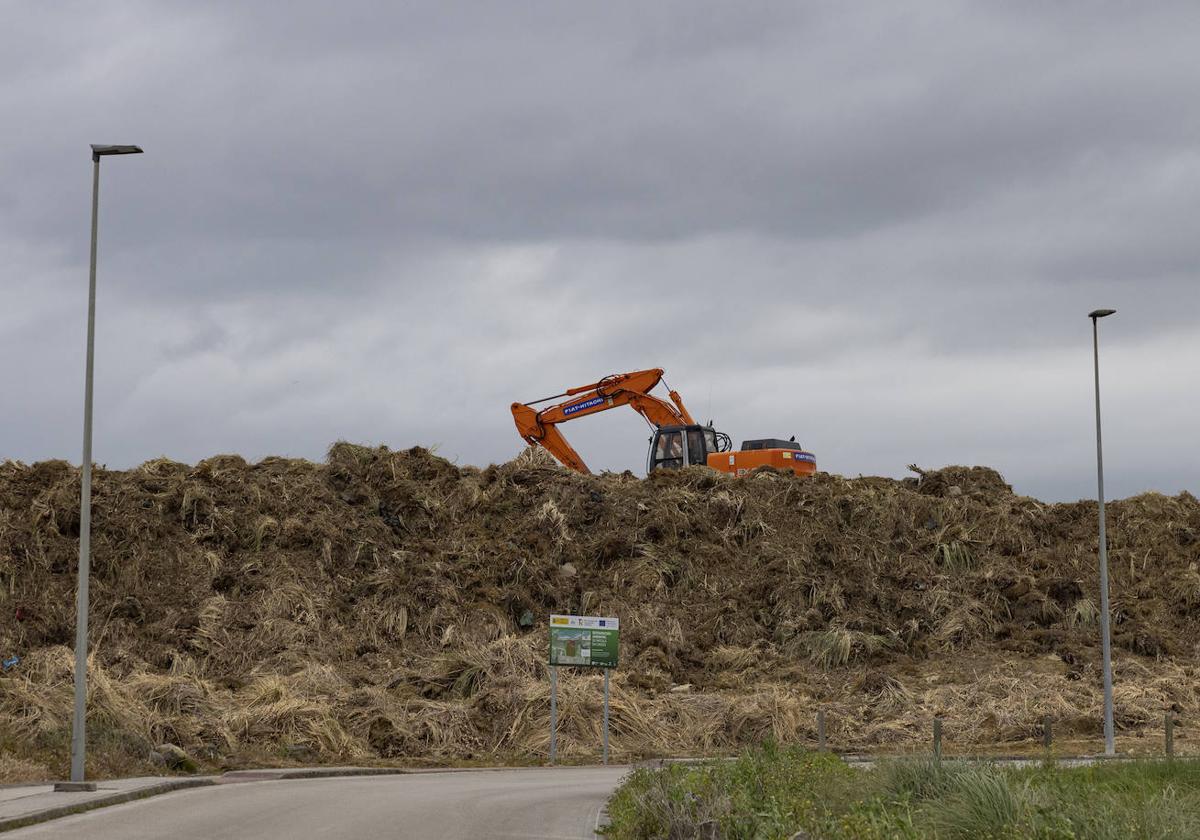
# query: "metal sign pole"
606, 715
553, 713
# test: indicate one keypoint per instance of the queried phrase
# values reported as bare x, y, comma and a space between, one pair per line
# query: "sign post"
588, 642
553, 713
606, 716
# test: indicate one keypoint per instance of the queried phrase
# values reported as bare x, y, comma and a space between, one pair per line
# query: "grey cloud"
877, 227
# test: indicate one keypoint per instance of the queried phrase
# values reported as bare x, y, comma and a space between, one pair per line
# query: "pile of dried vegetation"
392, 606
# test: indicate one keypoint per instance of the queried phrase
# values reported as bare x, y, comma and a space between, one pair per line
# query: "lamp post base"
74, 787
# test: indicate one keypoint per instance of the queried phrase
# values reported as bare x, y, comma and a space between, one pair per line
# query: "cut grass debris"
392, 605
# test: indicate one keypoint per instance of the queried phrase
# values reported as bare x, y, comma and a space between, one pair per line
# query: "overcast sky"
876, 226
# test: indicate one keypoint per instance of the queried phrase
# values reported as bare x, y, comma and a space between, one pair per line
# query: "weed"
774, 792
838, 646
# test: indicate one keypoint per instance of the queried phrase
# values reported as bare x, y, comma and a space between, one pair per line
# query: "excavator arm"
540, 428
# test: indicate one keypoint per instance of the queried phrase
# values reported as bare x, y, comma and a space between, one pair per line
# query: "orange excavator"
678, 440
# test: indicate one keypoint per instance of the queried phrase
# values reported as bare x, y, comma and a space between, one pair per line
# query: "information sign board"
584, 640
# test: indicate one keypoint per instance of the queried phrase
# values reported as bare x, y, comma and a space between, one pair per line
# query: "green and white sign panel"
585, 640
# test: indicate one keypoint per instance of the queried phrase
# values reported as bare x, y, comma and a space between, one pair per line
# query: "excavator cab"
673, 447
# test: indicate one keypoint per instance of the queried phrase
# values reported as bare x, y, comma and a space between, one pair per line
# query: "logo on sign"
594, 401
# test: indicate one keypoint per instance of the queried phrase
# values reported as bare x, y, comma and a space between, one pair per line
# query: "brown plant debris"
389, 605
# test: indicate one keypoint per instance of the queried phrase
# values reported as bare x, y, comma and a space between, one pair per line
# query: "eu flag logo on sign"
602, 622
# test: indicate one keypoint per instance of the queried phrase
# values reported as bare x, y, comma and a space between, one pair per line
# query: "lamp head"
1100, 313
100, 150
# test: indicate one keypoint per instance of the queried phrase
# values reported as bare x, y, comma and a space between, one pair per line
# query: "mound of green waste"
391, 605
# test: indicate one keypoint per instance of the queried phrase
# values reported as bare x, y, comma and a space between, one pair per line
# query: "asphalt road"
525, 804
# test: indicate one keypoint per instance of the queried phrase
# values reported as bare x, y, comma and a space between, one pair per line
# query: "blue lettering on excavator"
594, 401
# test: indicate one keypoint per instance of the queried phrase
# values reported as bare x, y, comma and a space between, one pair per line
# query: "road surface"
524, 804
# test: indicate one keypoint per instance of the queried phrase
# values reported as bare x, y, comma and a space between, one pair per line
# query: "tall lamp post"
78, 726
1105, 644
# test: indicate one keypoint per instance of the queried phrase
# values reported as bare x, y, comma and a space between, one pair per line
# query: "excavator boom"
540, 428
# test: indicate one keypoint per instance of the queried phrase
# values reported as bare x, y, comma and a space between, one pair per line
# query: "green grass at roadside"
774, 792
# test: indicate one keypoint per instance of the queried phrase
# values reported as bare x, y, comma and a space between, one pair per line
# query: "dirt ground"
391, 606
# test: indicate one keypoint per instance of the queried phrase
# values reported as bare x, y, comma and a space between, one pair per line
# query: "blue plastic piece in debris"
11, 662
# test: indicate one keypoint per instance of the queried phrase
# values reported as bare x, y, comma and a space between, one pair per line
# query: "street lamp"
78, 740
1105, 644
